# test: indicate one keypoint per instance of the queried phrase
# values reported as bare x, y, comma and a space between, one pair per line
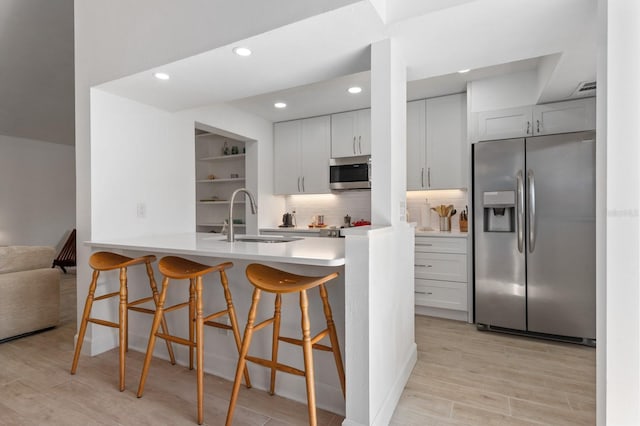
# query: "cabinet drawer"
441, 294
440, 245
441, 266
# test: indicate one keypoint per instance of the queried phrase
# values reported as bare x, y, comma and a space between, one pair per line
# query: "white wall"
142, 158
37, 192
508, 91
622, 313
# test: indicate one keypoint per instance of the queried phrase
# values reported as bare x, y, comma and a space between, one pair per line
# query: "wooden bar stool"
173, 267
106, 261
276, 281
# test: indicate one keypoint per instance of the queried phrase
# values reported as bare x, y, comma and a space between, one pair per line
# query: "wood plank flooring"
463, 377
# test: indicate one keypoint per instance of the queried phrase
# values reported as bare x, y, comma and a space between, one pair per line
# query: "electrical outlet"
141, 210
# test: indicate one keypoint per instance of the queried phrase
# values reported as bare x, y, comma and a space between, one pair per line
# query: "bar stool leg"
333, 336
152, 337
242, 362
83, 324
163, 321
234, 320
192, 318
308, 358
199, 349
123, 324
274, 342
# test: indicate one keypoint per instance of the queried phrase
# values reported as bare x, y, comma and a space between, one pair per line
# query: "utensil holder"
445, 223
464, 225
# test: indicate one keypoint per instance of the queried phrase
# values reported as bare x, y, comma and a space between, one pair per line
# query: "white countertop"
304, 251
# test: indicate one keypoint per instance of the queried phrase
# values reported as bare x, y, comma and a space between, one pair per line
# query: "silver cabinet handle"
532, 211
520, 210
425, 292
538, 126
422, 178
303, 190
429, 177
424, 266
354, 145
298, 183
360, 144
427, 245
528, 126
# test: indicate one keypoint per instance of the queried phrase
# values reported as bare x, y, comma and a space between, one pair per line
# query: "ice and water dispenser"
499, 211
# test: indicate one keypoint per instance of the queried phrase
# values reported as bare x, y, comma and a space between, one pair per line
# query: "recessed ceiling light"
162, 76
354, 89
242, 51
280, 105
464, 71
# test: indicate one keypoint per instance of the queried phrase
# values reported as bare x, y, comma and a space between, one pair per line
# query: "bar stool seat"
265, 278
177, 268
107, 261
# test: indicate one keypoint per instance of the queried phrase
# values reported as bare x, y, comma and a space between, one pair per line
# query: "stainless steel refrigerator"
534, 235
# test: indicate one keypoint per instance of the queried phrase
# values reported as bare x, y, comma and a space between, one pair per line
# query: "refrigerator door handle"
532, 211
520, 210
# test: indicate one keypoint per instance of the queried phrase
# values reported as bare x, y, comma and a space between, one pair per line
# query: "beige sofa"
29, 290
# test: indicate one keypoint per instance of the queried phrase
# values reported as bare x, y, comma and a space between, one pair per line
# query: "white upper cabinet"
563, 117
301, 156
557, 117
351, 133
436, 143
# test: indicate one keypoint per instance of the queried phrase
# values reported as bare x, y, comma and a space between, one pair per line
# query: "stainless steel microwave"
350, 172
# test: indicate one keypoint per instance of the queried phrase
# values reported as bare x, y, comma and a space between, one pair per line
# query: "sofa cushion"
24, 258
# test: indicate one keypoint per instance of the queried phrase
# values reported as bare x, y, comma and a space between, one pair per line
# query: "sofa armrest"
25, 258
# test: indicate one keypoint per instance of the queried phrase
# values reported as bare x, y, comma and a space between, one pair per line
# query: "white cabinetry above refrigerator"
558, 117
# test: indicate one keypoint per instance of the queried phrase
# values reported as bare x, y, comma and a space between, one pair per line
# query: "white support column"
388, 134
622, 311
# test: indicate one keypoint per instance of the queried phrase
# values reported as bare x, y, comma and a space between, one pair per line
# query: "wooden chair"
67, 255
272, 280
106, 261
173, 267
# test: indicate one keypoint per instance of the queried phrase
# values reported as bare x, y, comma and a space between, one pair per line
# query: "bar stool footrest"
140, 301
103, 322
143, 310
280, 367
315, 345
218, 325
106, 296
176, 339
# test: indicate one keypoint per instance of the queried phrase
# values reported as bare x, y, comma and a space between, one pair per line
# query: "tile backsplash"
334, 207
417, 199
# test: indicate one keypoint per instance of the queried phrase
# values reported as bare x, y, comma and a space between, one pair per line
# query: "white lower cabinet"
441, 277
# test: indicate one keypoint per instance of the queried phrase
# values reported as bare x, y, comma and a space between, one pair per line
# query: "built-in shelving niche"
220, 170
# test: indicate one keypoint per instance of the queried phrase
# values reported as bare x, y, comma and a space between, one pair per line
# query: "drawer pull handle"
426, 245
423, 266
428, 293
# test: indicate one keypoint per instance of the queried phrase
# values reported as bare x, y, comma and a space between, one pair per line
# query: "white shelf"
220, 180
220, 202
222, 157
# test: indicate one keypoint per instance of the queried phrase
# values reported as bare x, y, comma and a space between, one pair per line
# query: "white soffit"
326, 46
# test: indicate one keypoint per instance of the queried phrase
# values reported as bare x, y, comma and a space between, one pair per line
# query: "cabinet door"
316, 150
446, 142
505, 123
363, 142
287, 157
416, 139
563, 117
343, 134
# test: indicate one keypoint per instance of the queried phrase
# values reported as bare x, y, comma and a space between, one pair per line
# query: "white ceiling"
308, 64
36, 70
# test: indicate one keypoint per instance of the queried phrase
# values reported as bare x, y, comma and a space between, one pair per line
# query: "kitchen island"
305, 256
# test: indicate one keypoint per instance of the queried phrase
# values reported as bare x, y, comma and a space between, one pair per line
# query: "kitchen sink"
265, 239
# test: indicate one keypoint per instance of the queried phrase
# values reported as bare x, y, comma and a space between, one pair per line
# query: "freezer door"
499, 239
561, 234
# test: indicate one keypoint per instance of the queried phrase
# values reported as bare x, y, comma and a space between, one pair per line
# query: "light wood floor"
462, 377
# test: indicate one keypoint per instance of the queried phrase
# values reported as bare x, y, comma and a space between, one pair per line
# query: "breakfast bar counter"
303, 256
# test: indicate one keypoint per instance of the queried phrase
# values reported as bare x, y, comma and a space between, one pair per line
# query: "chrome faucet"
254, 208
